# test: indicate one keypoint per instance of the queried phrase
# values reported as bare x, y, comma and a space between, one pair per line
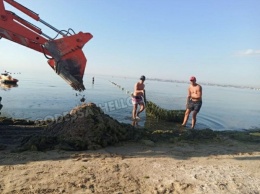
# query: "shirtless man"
194, 102
138, 98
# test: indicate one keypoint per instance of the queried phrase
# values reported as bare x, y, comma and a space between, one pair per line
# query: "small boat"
5, 78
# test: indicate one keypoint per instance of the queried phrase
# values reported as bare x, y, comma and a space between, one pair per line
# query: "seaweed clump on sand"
85, 127
154, 111
252, 135
172, 136
11, 121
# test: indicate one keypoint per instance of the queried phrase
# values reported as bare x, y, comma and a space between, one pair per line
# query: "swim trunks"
194, 105
137, 100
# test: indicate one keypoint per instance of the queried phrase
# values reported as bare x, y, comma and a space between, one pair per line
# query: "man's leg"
134, 111
186, 117
197, 107
194, 118
141, 109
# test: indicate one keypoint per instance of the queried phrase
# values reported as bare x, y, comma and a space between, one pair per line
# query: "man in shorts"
194, 102
138, 98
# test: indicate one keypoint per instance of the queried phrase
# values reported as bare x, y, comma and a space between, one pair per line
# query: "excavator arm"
64, 54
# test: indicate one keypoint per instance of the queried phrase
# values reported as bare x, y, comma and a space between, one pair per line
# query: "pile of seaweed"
85, 127
154, 111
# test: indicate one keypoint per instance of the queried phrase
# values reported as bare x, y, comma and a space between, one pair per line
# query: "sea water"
40, 97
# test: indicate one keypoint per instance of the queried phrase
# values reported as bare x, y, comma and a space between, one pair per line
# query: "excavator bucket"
68, 60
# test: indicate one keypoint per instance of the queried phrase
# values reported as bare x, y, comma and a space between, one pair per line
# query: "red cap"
192, 78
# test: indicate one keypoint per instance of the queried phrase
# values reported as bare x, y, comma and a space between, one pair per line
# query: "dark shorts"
137, 100
194, 105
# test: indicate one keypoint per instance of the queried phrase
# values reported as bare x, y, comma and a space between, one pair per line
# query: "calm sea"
45, 97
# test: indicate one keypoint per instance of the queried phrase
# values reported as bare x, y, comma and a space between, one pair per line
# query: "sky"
217, 41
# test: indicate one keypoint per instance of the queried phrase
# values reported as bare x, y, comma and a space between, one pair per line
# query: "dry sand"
218, 167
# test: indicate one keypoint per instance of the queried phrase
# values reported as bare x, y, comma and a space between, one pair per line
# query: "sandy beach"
227, 166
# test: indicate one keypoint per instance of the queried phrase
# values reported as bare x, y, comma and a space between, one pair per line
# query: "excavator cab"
65, 55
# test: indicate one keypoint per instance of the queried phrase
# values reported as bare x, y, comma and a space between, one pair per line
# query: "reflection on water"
155, 124
5, 86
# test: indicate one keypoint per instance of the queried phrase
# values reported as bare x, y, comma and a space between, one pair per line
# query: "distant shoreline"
209, 84
181, 81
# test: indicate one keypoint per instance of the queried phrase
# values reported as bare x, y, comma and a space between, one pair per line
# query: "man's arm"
135, 88
188, 97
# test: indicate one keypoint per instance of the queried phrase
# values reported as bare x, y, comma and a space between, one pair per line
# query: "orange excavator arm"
64, 54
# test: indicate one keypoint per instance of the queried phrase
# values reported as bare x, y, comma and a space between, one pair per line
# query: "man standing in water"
194, 102
138, 98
